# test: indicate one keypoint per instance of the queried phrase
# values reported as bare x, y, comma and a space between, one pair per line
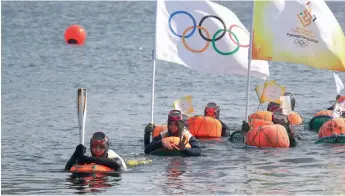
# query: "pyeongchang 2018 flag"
204, 36
298, 31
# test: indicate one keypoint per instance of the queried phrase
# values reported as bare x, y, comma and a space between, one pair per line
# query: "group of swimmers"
177, 127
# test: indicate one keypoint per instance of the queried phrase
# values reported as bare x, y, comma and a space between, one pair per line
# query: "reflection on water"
174, 183
92, 182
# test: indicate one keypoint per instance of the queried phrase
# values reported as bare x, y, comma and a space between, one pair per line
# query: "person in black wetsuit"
101, 155
333, 105
279, 118
212, 110
282, 119
176, 128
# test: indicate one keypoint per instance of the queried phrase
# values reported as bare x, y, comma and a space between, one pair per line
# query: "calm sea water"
41, 75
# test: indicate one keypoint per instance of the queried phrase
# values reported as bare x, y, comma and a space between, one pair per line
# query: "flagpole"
154, 69
249, 64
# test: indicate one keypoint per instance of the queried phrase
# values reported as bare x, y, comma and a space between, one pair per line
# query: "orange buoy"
264, 115
75, 34
333, 126
269, 136
175, 152
175, 141
158, 129
324, 113
294, 118
89, 168
255, 123
204, 126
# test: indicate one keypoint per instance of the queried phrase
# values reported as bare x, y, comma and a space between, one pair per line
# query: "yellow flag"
184, 105
270, 91
301, 32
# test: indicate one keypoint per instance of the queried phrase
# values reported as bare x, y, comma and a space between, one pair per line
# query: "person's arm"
79, 151
154, 145
71, 162
147, 133
195, 148
225, 129
114, 164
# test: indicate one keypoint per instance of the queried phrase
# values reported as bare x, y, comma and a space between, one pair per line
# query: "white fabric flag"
204, 36
339, 84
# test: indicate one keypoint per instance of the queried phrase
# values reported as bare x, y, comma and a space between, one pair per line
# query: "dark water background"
41, 74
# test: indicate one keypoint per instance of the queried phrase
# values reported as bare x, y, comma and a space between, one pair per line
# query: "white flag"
204, 36
339, 84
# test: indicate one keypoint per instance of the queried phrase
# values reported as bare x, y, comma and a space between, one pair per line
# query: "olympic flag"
204, 36
298, 31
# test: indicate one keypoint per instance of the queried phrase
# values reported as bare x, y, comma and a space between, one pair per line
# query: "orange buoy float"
75, 34
333, 126
175, 152
264, 115
294, 118
158, 129
269, 136
204, 126
89, 168
324, 113
255, 123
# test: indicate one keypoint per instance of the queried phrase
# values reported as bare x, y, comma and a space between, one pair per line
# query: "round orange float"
294, 118
158, 129
264, 115
324, 113
204, 126
89, 168
255, 123
269, 136
75, 34
334, 126
175, 152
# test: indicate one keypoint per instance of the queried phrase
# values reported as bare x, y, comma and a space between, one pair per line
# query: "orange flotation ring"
255, 123
294, 118
204, 126
269, 136
158, 129
324, 113
176, 141
89, 168
334, 126
175, 152
264, 115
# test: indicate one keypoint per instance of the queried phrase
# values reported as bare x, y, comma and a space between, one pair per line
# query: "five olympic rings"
301, 42
200, 28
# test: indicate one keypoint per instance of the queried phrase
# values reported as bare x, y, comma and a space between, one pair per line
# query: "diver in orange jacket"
101, 155
176, 128
212, 110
